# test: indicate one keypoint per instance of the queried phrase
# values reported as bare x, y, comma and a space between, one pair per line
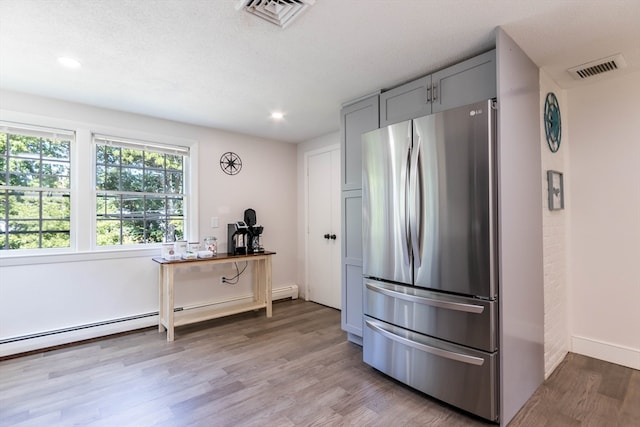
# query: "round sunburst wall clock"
552, 122
230, 163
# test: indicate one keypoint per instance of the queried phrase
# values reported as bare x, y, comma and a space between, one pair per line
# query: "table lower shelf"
194, 315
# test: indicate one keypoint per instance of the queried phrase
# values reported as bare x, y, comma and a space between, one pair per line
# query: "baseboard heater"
76, 328
281, 293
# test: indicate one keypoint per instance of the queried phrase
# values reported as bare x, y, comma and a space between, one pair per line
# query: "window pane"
56, 205
23, 145
153, 160
176, 227
131, 157
174, 162
174, 183
52, 149
174, 206
55, 240
131, 179
133, 232
24, 205
108, 155
111, 179
153, 181
108, 207
108, 232
23, 241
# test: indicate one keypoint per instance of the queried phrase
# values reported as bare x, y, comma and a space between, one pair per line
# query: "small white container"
180, 247
194, 246
168, 252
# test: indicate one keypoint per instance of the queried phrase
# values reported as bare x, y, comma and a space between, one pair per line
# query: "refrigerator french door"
429, 253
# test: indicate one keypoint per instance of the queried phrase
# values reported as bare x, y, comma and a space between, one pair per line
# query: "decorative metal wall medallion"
230, 163
552, 122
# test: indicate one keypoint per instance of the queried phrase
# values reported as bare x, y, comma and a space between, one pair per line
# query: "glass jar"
211, 244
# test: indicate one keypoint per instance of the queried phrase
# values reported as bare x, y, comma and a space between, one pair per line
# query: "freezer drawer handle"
458, 306
464, 358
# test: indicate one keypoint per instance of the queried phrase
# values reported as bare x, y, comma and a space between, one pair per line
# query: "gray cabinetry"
355, 119
467, 82
470, 81
352, 290
405, 102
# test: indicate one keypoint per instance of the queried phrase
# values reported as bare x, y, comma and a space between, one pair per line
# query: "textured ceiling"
206, 62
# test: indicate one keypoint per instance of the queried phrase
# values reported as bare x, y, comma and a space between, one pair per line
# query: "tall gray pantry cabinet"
507, 74
355, 118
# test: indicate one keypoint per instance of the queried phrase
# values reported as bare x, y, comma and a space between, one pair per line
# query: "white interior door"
323, 220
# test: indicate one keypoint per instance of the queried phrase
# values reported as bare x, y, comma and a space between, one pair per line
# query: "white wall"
303, 148
65, 291
554, 225
604, 219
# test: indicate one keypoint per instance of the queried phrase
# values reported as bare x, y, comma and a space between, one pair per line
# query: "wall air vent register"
279, 12
599, 66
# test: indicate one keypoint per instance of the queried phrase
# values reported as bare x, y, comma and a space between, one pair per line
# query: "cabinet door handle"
435, 93
326, 236
428, 94
333, 237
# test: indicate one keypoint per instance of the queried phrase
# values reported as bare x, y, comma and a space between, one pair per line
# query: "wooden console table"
168, 318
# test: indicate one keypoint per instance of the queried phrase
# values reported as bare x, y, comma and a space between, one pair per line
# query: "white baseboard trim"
55, 339
85, 332
625, 356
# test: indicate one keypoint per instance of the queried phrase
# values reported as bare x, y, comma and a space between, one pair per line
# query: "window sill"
53, 258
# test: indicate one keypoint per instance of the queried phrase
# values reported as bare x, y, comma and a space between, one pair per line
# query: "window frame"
46, 132
83, 246
147, 146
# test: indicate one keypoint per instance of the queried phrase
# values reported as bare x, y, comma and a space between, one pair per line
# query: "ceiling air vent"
279, 12
599, 66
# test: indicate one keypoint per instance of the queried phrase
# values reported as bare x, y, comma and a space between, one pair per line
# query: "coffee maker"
237, 238
255, 232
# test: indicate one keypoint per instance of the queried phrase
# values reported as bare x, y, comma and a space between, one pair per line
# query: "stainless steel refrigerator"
429, 256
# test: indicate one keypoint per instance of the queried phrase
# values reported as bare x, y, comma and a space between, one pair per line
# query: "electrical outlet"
214, 222
223, 280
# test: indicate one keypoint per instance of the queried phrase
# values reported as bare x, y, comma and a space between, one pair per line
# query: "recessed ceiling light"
69, 62
277, 115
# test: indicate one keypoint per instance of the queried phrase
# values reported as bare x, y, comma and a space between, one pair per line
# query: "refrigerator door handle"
449, 305
407, 217
464, 358
415, 205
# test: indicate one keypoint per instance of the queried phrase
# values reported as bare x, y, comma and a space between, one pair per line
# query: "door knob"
326, 236
333, 237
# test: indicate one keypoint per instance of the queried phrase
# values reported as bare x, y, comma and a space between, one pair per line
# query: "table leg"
161, 311
267, 282
170, 304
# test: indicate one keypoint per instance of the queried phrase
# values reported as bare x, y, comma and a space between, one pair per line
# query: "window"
140, 195
35, 187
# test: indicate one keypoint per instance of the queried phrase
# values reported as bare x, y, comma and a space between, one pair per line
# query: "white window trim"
83, 210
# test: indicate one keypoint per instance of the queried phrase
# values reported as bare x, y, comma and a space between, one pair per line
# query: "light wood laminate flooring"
295, 369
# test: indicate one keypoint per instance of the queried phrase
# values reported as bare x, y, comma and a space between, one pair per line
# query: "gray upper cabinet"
467, 82
470, 81
355, 119
406, 102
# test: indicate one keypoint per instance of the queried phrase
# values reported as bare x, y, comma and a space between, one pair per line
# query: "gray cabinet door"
405, 102
470, 81
355, 119
352, 294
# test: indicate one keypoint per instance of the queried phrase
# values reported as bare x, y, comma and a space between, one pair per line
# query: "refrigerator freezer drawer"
462, 377
466, 321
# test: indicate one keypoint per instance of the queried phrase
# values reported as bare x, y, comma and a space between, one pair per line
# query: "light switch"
214, 222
